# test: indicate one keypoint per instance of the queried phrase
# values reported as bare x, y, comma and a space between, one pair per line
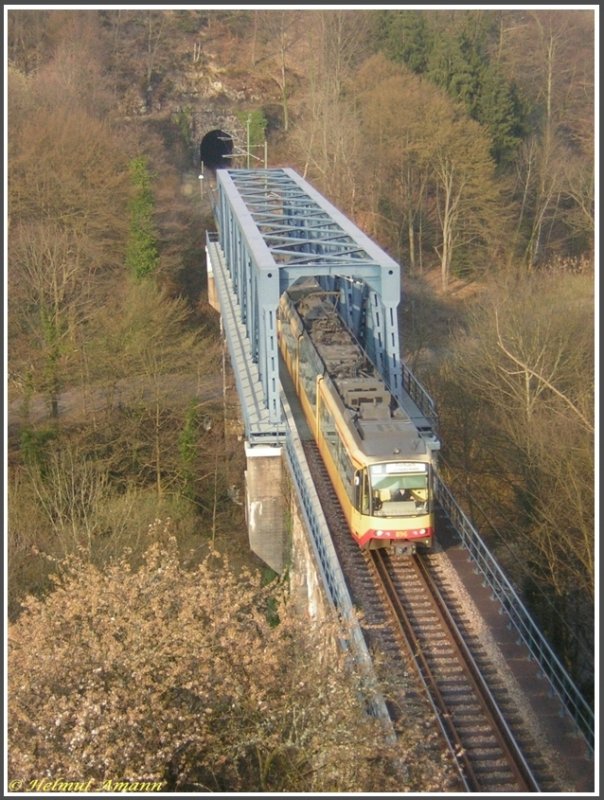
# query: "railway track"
475, 728
435, 664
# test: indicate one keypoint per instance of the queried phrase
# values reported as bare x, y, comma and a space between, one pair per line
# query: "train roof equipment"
376, 414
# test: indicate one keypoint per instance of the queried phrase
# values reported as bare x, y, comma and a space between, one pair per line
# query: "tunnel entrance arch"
216, 150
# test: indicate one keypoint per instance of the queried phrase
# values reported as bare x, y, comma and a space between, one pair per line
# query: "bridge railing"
420, 396
328, 564
514, 608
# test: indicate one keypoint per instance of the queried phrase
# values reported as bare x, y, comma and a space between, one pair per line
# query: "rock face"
213, 117
204, 83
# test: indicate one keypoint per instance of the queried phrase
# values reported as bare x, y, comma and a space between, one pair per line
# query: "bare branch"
541, 379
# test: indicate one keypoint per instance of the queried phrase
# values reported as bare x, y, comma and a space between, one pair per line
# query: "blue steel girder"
276, 229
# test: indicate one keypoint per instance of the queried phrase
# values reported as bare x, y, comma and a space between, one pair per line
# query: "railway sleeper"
495, 780
483, 747
502, 788
465, 704
451, 687
459, 691
445, 660
452, 678
439, 642
442, 652
448, 666
497, 777
474, 741
448, 674
469, 729
420, 605
499, 786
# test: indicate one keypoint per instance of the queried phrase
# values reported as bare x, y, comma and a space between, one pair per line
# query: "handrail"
326, 561
420, 396
502, 589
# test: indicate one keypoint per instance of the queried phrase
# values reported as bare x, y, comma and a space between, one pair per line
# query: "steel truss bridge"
274, 229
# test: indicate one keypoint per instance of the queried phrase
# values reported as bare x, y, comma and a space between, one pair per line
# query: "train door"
362, 493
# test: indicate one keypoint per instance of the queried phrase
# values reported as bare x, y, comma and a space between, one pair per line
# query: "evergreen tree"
187, 449
457, 62
142, 256
461, 64
501, 109
404, 37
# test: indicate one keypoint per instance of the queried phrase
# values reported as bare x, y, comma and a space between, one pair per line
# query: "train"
380, 465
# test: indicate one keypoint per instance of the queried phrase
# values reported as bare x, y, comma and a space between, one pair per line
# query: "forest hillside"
461, 141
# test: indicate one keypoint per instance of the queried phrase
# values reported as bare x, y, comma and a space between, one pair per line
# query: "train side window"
361, 491
327, 425
310, 367
345, 467
366, 493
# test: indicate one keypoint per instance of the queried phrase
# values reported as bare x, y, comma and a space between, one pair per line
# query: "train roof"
380, 431
383, 429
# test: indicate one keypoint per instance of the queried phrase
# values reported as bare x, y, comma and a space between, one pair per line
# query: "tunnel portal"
216, 149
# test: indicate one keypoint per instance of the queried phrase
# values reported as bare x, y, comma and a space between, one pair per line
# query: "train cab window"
399, 489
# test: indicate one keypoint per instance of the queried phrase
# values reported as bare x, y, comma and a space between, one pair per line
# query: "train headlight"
379, 533
419, 532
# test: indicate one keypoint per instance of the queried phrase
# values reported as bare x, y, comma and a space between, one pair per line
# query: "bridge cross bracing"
275, 229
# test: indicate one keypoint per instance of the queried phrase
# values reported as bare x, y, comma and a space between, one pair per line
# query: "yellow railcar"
379, 465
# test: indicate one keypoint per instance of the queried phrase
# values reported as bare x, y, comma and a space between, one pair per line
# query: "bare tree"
50, 282
535, 380
437, 159
75, 174
327, 132
279, 32
520, 403
147, 350
550, 56
467, 201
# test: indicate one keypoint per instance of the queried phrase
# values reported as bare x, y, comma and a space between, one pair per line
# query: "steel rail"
506, 738
510, 750
410, 640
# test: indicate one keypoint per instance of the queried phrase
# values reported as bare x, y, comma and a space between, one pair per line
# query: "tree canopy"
199, 679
